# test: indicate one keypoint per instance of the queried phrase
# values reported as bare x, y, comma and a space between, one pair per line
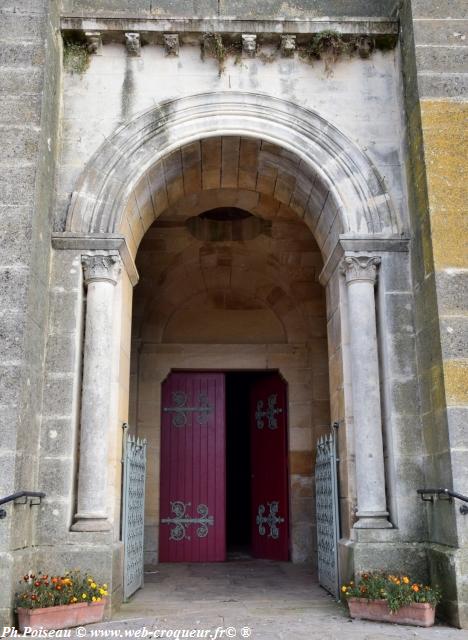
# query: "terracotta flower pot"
419, 614
61, 617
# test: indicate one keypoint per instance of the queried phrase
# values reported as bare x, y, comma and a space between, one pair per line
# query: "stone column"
101, 272
361, 275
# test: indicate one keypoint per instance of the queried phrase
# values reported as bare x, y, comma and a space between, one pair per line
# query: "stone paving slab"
276, 601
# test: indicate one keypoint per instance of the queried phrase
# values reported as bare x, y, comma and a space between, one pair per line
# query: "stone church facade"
199, 187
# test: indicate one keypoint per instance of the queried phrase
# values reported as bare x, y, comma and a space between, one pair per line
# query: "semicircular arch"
361, 204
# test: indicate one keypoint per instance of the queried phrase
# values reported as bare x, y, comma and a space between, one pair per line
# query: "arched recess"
325, 161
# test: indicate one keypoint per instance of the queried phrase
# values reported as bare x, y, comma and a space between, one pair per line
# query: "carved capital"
360, 268
171, 44
133, 44
101, 268
93, 41
249, 44
288, 46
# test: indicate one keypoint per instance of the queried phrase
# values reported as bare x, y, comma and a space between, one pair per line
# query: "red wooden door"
270, 508
192, 484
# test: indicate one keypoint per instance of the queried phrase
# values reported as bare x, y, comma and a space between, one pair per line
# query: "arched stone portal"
323, 159
282, 164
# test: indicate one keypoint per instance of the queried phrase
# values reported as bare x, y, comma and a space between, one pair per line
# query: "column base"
373, 521
91, 522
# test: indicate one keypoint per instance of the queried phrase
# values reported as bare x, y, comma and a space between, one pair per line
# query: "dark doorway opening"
238, 464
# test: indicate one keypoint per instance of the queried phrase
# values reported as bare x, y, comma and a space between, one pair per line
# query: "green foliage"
330, 46
75, 56
397, 590
214, 47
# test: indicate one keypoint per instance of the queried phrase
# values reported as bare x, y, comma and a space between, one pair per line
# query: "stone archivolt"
295, 156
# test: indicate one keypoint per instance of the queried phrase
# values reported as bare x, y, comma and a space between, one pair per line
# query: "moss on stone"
75, 56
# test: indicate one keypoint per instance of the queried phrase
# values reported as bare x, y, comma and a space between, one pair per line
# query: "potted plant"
392, 598
59, 602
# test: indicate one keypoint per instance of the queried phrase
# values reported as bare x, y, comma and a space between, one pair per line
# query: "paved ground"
276, 601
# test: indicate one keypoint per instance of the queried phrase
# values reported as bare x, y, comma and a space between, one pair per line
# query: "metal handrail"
444, 492
20, 494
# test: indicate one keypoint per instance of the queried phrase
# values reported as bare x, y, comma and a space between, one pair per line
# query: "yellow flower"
84, 596
104, 586
98, 599
343, 589
93, 585
94, 598
406, 579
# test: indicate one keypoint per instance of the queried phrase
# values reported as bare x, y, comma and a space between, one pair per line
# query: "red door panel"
192, 483
270, 508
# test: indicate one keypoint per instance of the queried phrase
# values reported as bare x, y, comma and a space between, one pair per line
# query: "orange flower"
406, 579
415, 588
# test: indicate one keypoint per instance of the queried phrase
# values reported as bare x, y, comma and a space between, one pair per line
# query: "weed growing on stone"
75, 56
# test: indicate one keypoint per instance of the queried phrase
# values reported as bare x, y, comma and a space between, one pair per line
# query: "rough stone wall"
29, 104
435, 78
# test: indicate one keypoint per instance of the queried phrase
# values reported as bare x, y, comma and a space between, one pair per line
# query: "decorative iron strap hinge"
181, 411
269, 413
272, 520
182, 520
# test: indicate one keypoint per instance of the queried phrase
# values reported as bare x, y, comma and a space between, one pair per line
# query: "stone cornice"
97, 242
113, 28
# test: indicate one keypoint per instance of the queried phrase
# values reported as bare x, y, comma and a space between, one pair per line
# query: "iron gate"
326, 492
133, 519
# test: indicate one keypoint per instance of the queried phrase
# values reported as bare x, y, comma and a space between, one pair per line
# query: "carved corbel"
249, 45
365, 46
133, 44
171, 44
94, 41
288, 46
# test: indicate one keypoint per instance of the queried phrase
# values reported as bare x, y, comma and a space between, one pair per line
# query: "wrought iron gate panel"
133, 523
326, 492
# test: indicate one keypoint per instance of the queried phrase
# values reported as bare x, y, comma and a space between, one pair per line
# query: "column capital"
360, 268
101, 267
